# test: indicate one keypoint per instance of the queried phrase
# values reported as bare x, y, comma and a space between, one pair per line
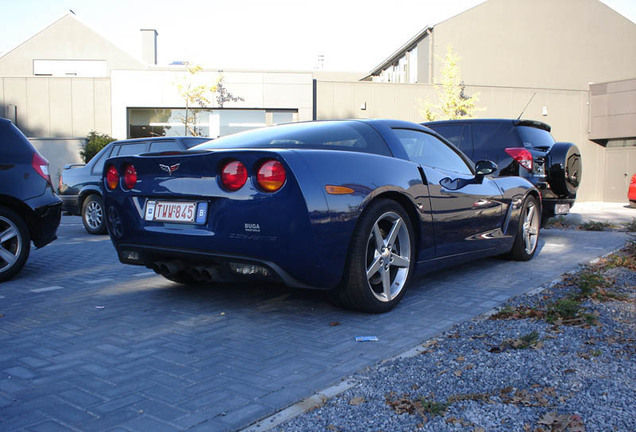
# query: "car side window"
428, 150
458, 135
98, 166
164, 145
490, 138
132, 149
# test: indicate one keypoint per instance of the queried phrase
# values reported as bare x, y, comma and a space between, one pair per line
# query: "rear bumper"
70, 204
205, 266
550, 204
44, 223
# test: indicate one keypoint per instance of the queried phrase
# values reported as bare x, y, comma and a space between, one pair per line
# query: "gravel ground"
527, 368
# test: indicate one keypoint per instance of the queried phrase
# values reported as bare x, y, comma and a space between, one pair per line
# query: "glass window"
164, 145
133, 149
458, 135
490, 137
428, 150
622, 143
351, 136
204, 122
535, 137
280, 117
100, 158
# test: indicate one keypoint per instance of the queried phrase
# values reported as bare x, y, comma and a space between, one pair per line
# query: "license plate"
562, 209
176, 211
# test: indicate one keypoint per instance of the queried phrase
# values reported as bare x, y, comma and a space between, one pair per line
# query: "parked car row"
355, 207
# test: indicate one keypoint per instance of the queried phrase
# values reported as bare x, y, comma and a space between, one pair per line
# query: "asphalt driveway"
89, 344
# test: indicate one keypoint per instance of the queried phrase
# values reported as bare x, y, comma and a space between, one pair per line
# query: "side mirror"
485, 167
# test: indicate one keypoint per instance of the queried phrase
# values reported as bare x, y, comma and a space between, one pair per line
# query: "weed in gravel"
558, 222
631, 226
626, 258
595, 226
434, 408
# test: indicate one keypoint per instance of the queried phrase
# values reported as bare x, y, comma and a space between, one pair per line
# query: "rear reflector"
233, 175
521, 155
112, 177
271, 176
130, 177
41, 166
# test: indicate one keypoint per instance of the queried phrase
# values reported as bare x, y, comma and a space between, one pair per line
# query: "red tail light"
271, 176
521, 155
41, 166
112, 177
233, 175
130, 177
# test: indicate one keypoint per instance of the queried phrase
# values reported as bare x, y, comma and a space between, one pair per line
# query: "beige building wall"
57, 113
260, 90
613, 110
564, 44
566, 111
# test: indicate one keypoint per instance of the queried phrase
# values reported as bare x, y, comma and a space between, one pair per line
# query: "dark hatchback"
29, 208
523, 148
79, 185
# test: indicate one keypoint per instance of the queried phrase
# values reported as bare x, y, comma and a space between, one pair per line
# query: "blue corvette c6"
355, 207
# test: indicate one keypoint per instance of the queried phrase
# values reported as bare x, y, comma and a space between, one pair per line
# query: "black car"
522, 148
79, 185
29, 208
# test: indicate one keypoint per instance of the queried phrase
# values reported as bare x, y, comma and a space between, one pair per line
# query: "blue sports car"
355, 207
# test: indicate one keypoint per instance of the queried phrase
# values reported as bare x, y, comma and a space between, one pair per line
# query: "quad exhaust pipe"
198, 273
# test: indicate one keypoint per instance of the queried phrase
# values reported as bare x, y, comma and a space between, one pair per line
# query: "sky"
352, 35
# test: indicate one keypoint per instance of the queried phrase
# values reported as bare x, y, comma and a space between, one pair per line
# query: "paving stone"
162, 355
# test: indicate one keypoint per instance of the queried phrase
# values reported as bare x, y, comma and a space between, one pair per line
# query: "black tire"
93, 215
15, 243
527, 237
565, 169
388, 259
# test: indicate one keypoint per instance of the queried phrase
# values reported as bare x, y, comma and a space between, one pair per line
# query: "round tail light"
112, 177
130, 176
233, 175
271, 176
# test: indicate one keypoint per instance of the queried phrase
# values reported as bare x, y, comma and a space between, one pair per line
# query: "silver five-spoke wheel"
388, 256
527, 237
531, 224
380, 259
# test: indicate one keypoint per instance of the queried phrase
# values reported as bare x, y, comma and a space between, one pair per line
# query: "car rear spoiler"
534, 124
76, 165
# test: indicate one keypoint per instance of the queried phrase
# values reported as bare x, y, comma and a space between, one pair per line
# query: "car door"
467, 210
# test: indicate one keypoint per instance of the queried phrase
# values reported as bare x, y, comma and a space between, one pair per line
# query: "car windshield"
534, 137
350, 136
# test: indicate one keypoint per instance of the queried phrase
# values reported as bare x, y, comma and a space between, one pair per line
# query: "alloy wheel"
531, 224
388, 256
10, 243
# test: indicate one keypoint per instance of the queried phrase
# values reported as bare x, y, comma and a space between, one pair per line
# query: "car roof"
513, 122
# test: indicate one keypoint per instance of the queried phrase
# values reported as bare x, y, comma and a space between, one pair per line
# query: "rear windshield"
348, 136
533, 137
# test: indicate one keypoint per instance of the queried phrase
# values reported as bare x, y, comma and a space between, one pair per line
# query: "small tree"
453, 102
94, 143
194, 92
222, 93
